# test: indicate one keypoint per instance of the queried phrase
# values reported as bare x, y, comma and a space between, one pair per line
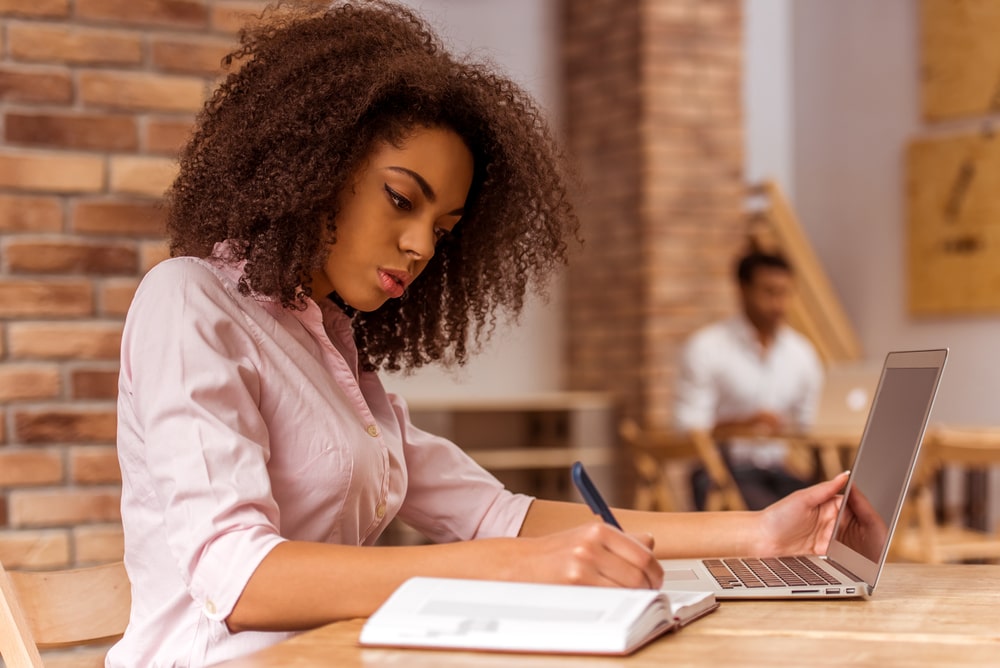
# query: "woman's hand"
863, 527
802, 522
591, 554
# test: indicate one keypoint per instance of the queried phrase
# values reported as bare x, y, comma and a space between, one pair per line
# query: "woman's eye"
398, 200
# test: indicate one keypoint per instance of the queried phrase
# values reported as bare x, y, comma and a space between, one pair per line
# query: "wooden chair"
60, 609
921, 536
653, 450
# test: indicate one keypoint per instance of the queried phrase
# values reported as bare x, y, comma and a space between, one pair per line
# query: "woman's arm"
801, 523
300, 585
673, 534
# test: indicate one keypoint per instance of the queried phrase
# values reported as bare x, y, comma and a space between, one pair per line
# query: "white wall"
855, 92
767, 92
519, 36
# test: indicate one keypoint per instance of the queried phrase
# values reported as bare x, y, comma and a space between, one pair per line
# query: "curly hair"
316, 90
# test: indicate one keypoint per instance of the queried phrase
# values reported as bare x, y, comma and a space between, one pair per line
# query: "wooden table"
951, 618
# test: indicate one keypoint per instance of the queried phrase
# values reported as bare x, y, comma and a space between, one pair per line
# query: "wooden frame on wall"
953, 210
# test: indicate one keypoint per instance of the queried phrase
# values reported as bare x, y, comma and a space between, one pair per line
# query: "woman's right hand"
591, 554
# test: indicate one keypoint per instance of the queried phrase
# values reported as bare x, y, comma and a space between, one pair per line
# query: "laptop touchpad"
686, 574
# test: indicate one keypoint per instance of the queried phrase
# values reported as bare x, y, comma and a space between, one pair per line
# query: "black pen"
593, 498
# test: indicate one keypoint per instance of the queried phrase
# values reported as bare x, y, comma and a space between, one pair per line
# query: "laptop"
872, 499
848, 389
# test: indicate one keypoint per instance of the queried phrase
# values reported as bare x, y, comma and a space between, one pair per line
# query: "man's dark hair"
751, 262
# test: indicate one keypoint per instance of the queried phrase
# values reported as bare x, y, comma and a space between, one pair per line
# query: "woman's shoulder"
192, 284
185, 273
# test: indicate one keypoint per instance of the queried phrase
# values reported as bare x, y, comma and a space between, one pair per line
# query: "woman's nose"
418, 241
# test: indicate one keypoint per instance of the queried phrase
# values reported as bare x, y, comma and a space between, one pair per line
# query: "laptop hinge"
843, 570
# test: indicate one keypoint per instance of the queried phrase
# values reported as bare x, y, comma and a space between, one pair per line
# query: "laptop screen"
884, 462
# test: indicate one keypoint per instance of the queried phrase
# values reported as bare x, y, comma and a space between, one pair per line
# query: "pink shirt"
242, 424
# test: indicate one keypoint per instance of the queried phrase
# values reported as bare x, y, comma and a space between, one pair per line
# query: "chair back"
970, 448
926, 538
60, 609
652, 449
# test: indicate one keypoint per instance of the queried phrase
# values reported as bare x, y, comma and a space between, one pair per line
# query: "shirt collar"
324, 314
747, 333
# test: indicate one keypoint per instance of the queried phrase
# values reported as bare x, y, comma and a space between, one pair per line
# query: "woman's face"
402, 202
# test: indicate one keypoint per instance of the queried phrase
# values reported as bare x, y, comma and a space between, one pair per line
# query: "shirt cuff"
505, 516
226, 566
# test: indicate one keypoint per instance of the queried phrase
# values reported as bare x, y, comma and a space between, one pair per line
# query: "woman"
353, 199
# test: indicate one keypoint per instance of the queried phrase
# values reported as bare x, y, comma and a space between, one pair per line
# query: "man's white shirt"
726, 374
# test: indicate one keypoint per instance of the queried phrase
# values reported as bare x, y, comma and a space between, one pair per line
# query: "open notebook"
872, 500
451, 613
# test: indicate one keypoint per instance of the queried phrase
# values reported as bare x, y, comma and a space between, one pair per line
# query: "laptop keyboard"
769, 572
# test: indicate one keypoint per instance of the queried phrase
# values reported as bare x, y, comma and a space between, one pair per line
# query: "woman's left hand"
802, 522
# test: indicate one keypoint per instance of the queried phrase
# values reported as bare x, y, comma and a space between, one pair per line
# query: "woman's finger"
631, 562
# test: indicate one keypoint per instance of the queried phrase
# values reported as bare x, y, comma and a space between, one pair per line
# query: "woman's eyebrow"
425, 187
421, 181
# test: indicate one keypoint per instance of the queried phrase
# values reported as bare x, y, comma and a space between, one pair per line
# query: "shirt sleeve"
189, 360
449, 497
697, 398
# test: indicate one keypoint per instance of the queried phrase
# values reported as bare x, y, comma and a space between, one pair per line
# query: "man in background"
749, 377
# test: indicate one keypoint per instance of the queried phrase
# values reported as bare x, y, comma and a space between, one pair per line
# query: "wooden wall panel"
954, 224
960, 52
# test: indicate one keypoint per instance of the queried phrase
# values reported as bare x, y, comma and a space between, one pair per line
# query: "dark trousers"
760, 487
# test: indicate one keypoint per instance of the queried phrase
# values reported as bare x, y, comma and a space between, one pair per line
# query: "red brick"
3, 439
98, 132
34, 549
230, 17
191, 56
97, 543
3, 513
656, 56
30, 467
20, 382
115, 296
94, 383
46, 43
142, 175
165, 135
30, 214
65, 340
51, 172
169, 13
37, 508
141, 91
53, 9
119, 217
36, 84
67, 425
70, 257
94, 464
53, 298
153, 253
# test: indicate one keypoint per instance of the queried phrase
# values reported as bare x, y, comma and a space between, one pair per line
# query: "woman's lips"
394, 283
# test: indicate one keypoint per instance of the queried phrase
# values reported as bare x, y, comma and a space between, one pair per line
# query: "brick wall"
654, 124
96, 96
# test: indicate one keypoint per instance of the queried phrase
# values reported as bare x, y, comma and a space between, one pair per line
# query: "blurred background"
871, 121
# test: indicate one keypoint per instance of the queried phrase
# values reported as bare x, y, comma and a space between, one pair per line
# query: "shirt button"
380, 511
372, 430
209, 607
